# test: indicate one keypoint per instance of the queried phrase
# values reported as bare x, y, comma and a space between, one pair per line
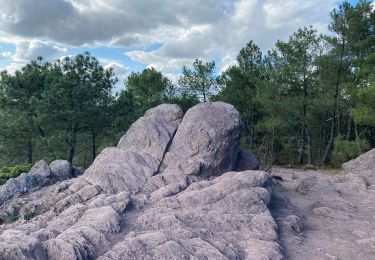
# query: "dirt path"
321, 216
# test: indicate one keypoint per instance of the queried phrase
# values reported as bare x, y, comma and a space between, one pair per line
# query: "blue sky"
166, 34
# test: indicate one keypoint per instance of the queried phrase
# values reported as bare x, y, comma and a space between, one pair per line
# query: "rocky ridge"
169, 190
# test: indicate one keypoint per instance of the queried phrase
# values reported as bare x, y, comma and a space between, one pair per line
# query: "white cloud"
5, 55
120, 70
86, 22
210, 29
264, 22
31, 50
292, 12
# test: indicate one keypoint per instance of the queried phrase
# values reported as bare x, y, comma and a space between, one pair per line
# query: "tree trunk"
301, 146
330, 143
93, 140
348, 135
31, 134
72, 142
71, 154
251, 141
309, 144
350, 127
304, 124
203, 89
30, 152
252, 127
322, 143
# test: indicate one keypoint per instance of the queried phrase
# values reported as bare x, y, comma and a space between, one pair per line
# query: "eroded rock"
151, 135
40, 175
322, 215
210, 134
167, 191
61, 170
226, 218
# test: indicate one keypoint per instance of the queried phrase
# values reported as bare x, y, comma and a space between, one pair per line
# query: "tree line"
309, 100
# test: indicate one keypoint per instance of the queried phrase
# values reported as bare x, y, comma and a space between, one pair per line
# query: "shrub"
28, 214
345, 150
7, 173
12, 218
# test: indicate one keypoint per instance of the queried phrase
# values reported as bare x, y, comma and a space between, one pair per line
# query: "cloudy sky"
130, 35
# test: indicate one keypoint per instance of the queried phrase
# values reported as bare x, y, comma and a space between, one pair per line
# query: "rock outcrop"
363, 167
327, 216
169, 190
39, 175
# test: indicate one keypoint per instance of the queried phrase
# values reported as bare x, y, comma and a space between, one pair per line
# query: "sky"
131, 35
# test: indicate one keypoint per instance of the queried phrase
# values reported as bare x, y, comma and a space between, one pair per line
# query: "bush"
12, 218
7, 173
345, 150
28, 214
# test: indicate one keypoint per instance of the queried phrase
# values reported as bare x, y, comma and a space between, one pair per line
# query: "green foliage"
47, 109
184, 101
292, 89
12, 218
28, 214
78, 93
240, 86
200, 81
364, 112
299, 96
20, 98
7, 173
345, 150
149, 88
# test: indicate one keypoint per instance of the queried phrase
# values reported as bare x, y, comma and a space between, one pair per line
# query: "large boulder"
210, 135
206, 144
40, 173
151, 135
139, 152
14, 204
61, 169
38, 176
363, 163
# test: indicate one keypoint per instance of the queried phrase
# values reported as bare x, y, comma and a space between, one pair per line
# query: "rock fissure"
165, 151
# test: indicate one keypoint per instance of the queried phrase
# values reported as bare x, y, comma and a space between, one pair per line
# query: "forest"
308, 101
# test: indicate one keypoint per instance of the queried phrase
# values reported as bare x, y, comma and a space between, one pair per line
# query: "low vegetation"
12, 172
